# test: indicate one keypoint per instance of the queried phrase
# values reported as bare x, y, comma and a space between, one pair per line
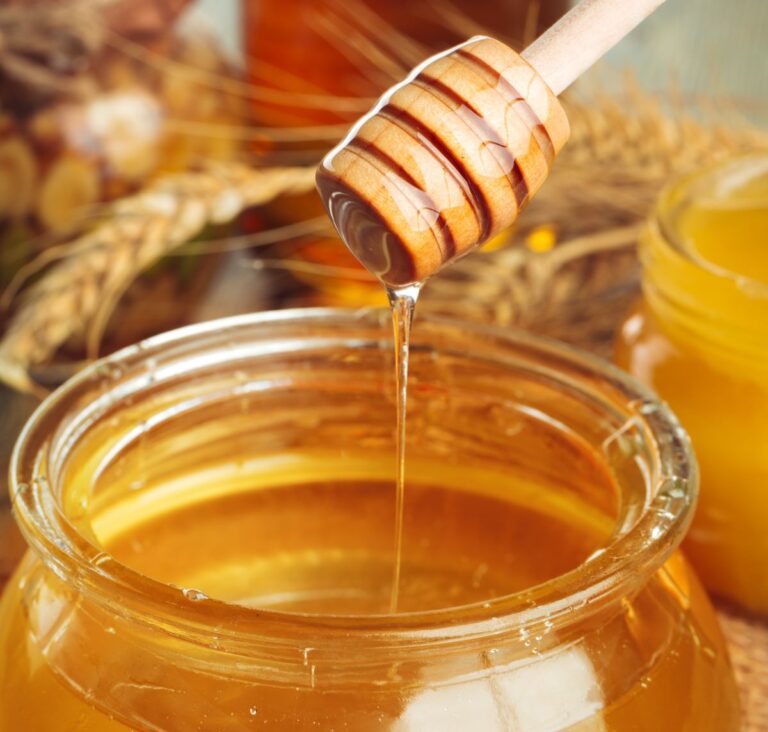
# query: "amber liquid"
325, 545
403, 305
279, 535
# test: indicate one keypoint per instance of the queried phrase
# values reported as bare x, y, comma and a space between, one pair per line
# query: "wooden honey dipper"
449, 157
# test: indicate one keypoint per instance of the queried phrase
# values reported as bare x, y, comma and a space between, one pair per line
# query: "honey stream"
402, 302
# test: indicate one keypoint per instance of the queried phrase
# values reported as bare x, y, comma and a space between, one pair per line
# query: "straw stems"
79, 291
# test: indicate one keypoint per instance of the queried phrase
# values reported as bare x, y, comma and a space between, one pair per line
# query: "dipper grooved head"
445, 160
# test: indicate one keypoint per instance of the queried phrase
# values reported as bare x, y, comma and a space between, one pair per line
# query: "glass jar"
699, 338
210, 517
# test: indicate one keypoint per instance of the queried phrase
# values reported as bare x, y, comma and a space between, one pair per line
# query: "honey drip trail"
403, 304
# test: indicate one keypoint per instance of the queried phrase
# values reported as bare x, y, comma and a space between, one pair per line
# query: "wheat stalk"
77, 294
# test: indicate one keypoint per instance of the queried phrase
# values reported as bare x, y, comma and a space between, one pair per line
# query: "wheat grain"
79, 291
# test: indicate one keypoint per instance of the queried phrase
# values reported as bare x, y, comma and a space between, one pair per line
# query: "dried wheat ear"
88, 275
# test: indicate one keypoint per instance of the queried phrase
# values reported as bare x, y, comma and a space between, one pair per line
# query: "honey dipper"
448, 157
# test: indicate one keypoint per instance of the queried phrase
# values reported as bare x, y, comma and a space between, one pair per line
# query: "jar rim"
624, 560
680, 193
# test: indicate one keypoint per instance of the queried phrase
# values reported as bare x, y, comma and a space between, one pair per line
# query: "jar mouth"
712, 186
703, 272
651, 524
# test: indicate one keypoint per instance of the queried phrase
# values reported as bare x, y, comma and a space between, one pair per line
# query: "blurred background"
157, 156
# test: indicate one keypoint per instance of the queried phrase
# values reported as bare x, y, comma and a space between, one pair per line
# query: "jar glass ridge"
624, 632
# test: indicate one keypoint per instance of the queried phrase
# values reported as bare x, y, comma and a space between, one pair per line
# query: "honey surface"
732, 232
287, 540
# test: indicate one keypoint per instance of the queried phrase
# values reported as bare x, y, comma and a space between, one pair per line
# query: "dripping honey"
402, 303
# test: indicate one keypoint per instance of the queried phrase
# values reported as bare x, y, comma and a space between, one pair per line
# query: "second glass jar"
699, 338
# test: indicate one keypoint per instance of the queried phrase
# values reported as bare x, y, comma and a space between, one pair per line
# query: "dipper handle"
582, 36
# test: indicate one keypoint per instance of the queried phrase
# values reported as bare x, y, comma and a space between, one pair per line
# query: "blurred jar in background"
700, 339
358, 48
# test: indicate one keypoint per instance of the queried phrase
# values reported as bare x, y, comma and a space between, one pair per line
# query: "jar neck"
151, 665
708, 307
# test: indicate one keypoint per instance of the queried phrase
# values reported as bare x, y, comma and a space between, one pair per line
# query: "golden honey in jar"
699, 338
211, 520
